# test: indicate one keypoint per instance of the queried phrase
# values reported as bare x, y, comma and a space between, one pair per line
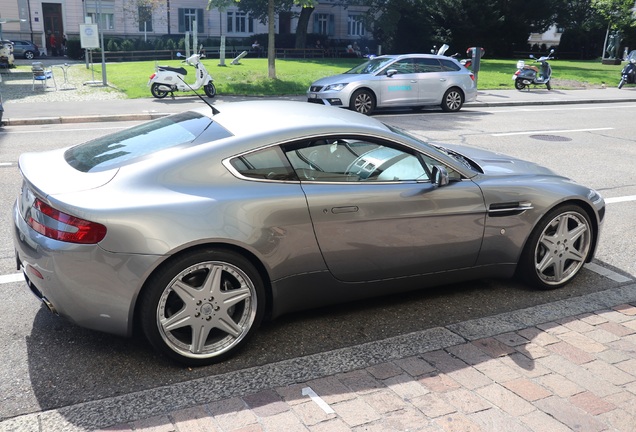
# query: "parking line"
620, 199
16, 277
616, 277
550, 131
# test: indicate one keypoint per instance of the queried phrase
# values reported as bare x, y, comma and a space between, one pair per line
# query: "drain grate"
550, 138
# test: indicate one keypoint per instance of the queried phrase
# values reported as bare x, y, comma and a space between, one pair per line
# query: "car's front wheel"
203, 306
362, 101
557, 248
453, 100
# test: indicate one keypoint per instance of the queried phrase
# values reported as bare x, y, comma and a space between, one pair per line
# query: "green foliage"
112, 45
74, 49
170, 45
127, 45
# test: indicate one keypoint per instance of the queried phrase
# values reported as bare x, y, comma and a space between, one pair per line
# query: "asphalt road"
48, 363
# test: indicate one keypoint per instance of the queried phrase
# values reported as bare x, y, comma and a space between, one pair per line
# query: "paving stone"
415, 366
571, 353
385, 370
466, 401
579, 375
573, 417
356, 412
559, 385
469, 353
602, 336
505, 399
524, 365
331, 390
406, 386
196, 419
611, 356
231, 413
495, 420
619, 419
457, 422
527, 389
609, 372
538, 336
539, 421
497, 371
444, 361
614, 316
582, 342
532, 351
408, 419
577, 325
591, 403
438, 383
493, 347
283, 422
310, 413
553, 328
335, 425
292, 394
512, 339
592, 319
626, 309
433, 405
628, 366
154, 424
623, 346
360, 381
617, 329
624, 400
266, 403
384, 401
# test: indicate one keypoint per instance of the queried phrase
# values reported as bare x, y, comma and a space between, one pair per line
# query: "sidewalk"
564, 366
17, 113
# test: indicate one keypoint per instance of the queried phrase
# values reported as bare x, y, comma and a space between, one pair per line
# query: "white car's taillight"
60, 226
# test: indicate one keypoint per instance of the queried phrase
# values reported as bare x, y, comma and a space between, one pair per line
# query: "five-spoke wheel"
203, 306
558, 248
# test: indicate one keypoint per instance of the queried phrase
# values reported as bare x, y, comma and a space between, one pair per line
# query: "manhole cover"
550, 138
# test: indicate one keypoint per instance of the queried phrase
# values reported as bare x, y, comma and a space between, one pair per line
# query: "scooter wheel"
209, 89
548, 85
156, 92
519, 85
621, 83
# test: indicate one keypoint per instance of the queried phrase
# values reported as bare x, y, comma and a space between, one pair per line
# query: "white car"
408, 80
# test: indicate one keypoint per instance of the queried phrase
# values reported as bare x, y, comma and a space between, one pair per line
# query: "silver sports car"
407, 80
196, 227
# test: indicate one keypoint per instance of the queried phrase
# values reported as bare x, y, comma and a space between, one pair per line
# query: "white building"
121, 18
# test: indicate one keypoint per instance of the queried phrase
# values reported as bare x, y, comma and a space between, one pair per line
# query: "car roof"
416, 55
288, 118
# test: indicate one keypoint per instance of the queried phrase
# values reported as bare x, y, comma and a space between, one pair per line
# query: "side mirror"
391, 72
440, 175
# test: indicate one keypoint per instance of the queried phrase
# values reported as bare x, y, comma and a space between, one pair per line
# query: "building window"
239, 22
105, 8
145, 18
187, 17
355, 25
324, 24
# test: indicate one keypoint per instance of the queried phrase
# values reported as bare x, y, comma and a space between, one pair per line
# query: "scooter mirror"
180, 55
531, 56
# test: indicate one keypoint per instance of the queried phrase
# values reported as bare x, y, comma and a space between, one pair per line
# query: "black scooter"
532, 75
628, 74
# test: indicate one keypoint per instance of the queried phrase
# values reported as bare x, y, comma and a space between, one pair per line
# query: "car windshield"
372, 66
131, 145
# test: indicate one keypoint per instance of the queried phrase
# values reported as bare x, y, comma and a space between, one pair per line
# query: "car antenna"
214, 110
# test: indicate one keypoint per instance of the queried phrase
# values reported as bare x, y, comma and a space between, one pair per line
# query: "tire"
362, 101
519, 85
29, 55
548, 85
453, 100
202, 307
557, 249
621, 83
159, 94
210, 89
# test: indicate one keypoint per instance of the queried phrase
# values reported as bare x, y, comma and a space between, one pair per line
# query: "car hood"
493, 163
37, 169
342, 78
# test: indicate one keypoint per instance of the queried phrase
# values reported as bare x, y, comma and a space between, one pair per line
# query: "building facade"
127, 19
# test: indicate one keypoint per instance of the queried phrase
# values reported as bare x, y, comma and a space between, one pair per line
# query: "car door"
400, 88
376, 214
432, 80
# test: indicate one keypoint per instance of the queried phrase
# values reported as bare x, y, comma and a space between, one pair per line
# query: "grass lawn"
295, 76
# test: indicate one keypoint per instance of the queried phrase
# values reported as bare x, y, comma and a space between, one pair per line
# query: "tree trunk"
301, 28
271, 40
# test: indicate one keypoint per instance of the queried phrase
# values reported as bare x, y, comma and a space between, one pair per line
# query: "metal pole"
101, 35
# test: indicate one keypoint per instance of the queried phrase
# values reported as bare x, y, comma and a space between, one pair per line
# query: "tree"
266, 12
619, 15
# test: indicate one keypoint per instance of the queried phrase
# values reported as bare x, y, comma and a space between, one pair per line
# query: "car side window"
267, 164
354, 160
449, 65
426, 65
404, 66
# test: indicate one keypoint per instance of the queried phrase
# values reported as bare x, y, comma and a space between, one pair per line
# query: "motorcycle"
531, 75
167, 79
628, 74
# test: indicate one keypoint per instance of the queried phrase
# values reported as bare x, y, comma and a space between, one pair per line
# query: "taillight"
517, 73
153, 76
472, 76
60, 226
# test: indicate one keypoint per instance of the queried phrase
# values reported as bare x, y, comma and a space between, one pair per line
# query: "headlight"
335, 87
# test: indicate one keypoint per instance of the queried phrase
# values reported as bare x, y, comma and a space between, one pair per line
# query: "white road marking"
6, 163
16, 277
550, 131
620, 199
307, 391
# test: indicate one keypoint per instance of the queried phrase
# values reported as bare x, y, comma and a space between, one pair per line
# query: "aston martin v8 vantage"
195, 227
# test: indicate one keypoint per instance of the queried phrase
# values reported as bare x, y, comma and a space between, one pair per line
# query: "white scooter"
167, 79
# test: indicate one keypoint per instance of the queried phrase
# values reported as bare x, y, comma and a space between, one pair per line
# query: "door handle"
442, 79
347, 209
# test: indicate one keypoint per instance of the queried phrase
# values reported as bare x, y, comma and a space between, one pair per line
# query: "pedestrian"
53, 44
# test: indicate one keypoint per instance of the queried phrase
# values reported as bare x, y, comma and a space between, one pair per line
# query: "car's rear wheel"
201, 307
453, 100
362, 101
557, 248
29, 55
156, 92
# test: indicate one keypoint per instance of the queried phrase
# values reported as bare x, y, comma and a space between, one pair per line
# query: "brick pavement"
572, 374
